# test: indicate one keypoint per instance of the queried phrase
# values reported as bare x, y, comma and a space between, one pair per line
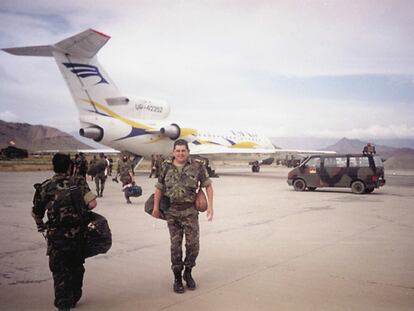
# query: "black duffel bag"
133, 191
98, 236
164, 205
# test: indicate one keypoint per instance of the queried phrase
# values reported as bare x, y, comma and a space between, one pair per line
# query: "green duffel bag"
164, 205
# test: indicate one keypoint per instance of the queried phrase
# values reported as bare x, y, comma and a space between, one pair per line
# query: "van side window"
378, 162
335, 162
358, 162
314, 162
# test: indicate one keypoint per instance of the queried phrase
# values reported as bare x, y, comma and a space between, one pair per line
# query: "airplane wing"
216, 152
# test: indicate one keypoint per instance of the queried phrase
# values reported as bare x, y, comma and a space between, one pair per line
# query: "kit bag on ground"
133, 191
164, 205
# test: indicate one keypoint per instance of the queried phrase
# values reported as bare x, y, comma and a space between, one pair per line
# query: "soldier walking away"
82, 165
153, 167
178, 180
111, 165
66, 200
124, 169
100, 176
92, 163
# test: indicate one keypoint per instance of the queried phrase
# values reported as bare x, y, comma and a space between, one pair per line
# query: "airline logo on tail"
84, 71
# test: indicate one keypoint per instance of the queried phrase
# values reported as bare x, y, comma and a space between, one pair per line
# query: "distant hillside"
346, 145
318, 143
37, 137
403, 159
396, 158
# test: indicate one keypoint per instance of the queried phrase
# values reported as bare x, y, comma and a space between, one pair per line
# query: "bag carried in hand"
133, 191
98, 237
164, 205
201, 201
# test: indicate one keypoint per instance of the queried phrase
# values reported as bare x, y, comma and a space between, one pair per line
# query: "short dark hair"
181, 142
61, 163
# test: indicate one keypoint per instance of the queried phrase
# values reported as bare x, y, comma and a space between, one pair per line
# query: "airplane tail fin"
76, 57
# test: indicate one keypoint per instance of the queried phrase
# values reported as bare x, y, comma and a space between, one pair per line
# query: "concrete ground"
268, 248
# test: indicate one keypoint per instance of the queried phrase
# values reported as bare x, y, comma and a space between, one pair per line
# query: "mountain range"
37, 137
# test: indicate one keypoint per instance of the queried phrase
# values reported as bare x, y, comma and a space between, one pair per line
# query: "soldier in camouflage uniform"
179, 179
63, 229
100, 177
124, 169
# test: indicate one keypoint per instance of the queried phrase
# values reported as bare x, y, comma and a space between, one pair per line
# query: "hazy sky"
281, 68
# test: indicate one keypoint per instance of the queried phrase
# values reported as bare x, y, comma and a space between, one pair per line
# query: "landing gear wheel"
358, 187
369, 190
311, 188
255, 168
299, 185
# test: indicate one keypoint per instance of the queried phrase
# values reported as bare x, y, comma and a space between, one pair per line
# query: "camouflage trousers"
100, 180
180, 223
67, 269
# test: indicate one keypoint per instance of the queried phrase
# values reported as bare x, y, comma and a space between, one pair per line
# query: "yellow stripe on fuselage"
117, 116
188, 131
245, 144
184, 131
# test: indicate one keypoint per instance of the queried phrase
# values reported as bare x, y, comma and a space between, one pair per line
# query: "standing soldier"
158, 162
64, 228
179, 179
100, 176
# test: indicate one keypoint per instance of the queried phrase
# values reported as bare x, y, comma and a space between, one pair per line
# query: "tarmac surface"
268, 248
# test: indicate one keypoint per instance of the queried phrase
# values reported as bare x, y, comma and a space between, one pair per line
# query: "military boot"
178, 283
189, 279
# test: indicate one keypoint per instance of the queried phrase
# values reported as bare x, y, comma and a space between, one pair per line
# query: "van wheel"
369, 190
311, 188
299, 185
358, 187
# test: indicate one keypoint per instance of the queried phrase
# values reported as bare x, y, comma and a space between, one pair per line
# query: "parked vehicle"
361, 172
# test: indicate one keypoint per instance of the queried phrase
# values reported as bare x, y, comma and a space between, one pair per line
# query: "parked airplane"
137, 125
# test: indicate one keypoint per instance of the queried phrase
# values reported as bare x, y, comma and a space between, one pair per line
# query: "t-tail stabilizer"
89, 84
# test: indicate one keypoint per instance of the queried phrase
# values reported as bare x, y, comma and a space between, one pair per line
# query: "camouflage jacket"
180, 184
123, 167
53, 198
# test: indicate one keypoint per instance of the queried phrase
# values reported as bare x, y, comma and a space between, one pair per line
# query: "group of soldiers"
179, 178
